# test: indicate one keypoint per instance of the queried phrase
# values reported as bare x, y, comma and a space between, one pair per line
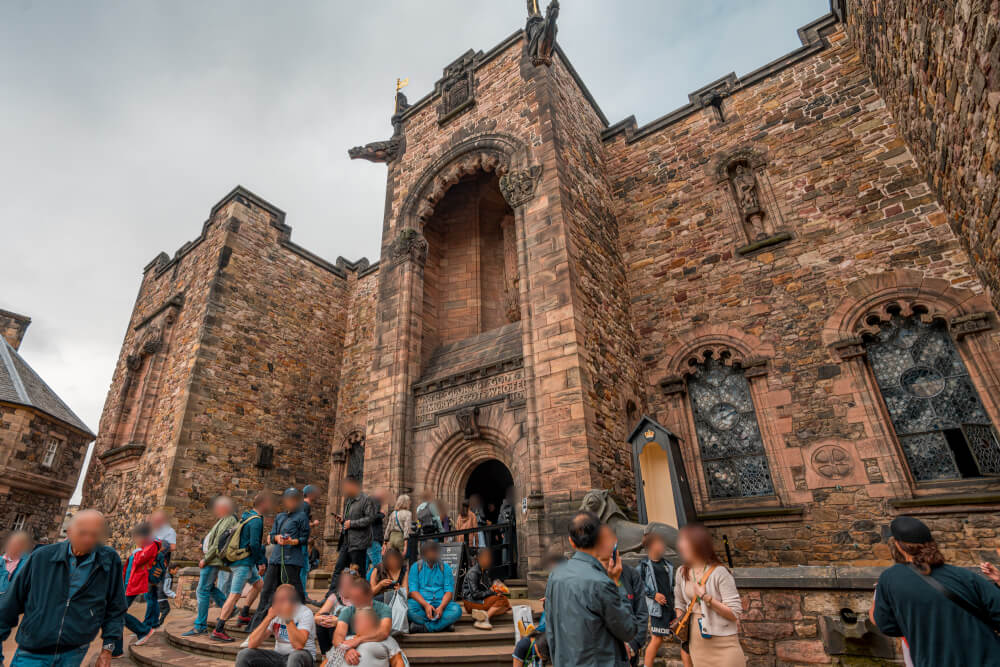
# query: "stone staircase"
466, 645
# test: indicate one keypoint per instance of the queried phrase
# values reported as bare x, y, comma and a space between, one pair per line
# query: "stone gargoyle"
630, 533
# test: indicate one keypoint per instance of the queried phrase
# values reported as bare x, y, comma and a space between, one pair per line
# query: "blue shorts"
241, 575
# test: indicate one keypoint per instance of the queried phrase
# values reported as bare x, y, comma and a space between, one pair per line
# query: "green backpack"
229, 542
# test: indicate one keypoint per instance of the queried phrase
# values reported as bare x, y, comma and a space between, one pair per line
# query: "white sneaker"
480, 615
142, 640
246, 643
483, 625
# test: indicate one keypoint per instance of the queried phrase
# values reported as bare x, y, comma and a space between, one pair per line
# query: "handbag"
397, 603
683, 630
980, 614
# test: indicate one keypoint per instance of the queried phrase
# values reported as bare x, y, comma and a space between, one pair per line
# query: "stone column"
512, 299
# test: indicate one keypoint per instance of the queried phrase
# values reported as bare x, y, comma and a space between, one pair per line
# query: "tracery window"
732, 451
942, 426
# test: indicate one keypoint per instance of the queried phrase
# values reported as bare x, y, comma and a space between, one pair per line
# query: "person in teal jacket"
67, 592
246, 570
15, 554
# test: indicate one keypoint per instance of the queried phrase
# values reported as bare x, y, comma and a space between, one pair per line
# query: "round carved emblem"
832, 462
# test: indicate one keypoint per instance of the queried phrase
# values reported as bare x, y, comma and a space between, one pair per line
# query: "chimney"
13, 326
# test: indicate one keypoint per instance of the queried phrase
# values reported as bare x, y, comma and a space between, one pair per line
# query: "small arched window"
939, 419
732, 451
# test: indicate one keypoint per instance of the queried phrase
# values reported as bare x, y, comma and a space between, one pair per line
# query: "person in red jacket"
136, 573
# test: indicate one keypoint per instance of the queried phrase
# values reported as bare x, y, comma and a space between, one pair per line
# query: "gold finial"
400, 84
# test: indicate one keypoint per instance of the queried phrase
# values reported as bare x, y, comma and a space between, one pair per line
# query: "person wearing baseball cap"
948, 615
284, 564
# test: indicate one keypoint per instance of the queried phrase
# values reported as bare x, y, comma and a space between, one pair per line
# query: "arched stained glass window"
732, 451
939, 419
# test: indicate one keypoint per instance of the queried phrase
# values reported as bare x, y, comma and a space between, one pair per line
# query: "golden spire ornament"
400, 84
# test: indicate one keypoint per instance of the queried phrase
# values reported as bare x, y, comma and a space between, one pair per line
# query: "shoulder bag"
683, 630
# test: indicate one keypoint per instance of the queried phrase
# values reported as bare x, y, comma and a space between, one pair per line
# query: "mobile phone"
614, 554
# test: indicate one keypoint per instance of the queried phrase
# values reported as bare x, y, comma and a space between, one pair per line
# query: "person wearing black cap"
289, 532
948, 615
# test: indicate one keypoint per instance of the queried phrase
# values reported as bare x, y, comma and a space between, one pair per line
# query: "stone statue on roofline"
540, 33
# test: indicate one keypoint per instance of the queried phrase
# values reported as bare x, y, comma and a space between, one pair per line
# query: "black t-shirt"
939, 632
662, 578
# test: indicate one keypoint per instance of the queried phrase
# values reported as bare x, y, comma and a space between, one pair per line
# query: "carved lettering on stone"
510, 385
518, 185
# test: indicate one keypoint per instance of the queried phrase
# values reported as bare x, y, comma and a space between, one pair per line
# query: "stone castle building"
789, 285
42, 442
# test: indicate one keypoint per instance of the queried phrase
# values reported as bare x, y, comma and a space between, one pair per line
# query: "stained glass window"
732, 451
941, 424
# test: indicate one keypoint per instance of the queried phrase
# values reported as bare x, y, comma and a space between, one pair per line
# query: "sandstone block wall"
937, 66
27, 486
251, 362
839, 176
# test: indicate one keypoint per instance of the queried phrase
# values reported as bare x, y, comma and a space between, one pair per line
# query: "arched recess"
737, 349
873, 301
497, 153
456, 458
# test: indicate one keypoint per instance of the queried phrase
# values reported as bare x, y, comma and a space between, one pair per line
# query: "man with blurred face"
67, 592
289, 532
225, 518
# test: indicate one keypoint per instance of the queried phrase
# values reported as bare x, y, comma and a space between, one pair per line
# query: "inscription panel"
509, 385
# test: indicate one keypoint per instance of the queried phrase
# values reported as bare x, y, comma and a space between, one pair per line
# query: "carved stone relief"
458, 86
518, 186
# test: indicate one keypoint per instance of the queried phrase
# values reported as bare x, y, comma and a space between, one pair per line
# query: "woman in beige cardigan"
714, 638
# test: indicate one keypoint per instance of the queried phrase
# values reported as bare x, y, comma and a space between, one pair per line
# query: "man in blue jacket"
246, 570
67, 592
289, 532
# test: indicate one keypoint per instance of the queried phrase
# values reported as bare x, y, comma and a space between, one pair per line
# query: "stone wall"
13, 327
836, 175
29, 487
241, 394
937, 66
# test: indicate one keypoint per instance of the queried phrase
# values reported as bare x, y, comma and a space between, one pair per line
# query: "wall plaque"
509, 385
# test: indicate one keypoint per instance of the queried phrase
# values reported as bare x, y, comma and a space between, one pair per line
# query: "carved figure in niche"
630, 533
747, 195
540, 33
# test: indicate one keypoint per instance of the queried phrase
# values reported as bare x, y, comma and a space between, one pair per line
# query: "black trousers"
272, 579
324, 639
346, 559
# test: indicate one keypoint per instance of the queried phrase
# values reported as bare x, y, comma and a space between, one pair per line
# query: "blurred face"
290, 503
16, 546
86, 531
393, 561
361, 598
158, 519
685, 550
265, 506
345, 587
365, 622
606, 541
140, 540
222, 507
431, 553
655, 549
485, 559
351, 488
285, 601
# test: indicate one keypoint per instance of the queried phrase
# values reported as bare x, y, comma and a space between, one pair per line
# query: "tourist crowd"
391, 579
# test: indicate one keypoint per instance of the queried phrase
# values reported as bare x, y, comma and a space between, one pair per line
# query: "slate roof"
20, 384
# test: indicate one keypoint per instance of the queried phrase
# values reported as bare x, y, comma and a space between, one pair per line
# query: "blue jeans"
240, 575
305, 567
72, 658
374, 555
208, 592
452, 612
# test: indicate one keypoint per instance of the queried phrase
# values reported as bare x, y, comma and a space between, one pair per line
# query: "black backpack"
425, 520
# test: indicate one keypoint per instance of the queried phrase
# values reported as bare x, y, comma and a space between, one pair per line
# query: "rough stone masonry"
795, 273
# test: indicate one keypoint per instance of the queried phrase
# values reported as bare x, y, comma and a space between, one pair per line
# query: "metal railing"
501, 540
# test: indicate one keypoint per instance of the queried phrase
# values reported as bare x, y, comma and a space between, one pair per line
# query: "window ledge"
788, 513
948, 499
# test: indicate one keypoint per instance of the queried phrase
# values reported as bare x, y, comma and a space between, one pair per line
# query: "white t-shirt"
303, 619
166, 534
377, 654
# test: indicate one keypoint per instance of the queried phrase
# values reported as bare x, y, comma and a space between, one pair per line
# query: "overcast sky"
121, 123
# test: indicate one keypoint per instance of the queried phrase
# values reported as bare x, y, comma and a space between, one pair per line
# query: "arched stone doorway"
490, 480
